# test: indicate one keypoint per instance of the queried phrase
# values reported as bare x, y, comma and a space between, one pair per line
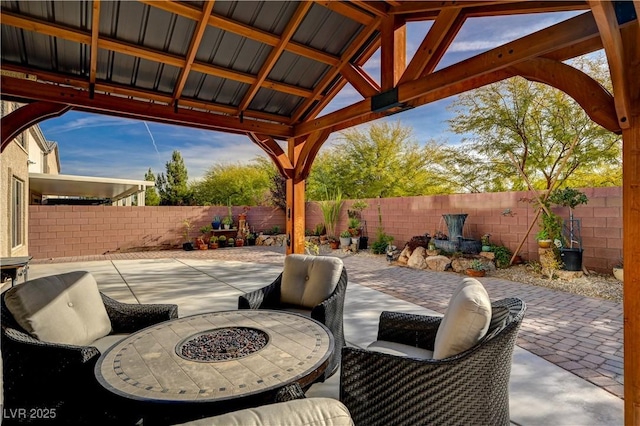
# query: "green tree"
151, 197
173, 187
382, 160
240, 184
537, 125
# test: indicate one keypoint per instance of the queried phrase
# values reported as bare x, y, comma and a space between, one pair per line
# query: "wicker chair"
329, 312
469, 388
59, 379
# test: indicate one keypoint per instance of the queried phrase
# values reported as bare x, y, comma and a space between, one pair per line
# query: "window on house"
17, 213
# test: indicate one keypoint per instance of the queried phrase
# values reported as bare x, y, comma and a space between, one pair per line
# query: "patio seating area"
199, 282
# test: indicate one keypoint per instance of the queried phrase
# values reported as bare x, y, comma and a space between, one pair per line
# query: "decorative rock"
461, 264
403, 259
438, 263
488, 255
416, 260
569, 275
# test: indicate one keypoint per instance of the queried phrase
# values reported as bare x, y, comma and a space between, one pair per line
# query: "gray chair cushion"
465, 321
309, 280
400, 349
307, 412
65, 308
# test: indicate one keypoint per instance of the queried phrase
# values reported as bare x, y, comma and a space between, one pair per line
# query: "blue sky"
100, 145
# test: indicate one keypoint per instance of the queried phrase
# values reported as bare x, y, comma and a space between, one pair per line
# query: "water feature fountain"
456, 241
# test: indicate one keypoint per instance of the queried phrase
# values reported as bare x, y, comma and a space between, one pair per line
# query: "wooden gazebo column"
623, 55
294, 166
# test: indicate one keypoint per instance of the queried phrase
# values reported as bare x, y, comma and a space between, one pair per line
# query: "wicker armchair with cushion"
451, 370
53, 331
310, 285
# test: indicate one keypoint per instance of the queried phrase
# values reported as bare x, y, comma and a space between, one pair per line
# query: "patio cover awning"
85, 186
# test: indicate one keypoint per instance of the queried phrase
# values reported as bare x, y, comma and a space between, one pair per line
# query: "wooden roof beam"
357, 44
274, 151
596, 101
515, 8
393, 53
360, 80
193, 49
464, 75
411, 7
377, 9
331, 93
274, 55
607, 22
95, 33
441, 34
152, 55
346, 9
139, 110
121, 90
241, 29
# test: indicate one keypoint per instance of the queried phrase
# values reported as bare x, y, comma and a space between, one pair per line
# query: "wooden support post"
295, 216
631, 224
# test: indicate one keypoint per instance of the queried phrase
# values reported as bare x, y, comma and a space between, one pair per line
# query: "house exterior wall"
60, 231
13, 163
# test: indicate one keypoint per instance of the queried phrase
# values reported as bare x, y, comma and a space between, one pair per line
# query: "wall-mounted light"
29, 162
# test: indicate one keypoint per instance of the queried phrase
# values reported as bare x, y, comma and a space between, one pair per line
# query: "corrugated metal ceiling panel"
75, 14
268, 100
229, 50
146, 26
325, 30
214, 89
298, 70
270, 16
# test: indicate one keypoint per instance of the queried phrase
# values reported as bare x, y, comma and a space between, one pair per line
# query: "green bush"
503, 256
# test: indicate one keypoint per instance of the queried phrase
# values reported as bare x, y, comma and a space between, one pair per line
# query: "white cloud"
89, 121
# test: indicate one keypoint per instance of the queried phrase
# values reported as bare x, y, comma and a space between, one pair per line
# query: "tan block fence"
61, 231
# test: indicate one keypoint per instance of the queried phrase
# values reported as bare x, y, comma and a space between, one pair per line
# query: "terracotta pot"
239, 243
475, 273
334, 245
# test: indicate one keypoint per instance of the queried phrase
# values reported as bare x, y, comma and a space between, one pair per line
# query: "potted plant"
239, 242
213, 242
227, 221
251, 239
334, 243
231, 242
618, 271
345, 239
331, 208
543, 239
222, 241
476, 269
187, 226
485, 242
215, 224
571, 256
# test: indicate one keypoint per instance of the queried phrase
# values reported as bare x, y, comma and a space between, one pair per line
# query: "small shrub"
418, 241
503, 256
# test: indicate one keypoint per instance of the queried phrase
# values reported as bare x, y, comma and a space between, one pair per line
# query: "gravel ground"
603, 286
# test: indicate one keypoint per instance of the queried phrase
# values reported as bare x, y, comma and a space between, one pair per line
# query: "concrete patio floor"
541, 392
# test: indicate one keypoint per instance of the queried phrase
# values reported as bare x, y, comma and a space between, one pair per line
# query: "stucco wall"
13, 162
70, 231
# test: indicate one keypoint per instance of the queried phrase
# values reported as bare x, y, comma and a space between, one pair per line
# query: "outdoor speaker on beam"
387, 102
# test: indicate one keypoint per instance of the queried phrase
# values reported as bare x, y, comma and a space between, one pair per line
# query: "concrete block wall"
60, 231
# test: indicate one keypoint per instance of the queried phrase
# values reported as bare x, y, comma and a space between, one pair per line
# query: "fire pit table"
215, 362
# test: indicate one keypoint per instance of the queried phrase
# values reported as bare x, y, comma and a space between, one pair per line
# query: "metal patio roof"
85, 186
268, 67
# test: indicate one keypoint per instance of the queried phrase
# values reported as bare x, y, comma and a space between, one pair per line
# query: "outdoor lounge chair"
53, 329
397, 381
311, 285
